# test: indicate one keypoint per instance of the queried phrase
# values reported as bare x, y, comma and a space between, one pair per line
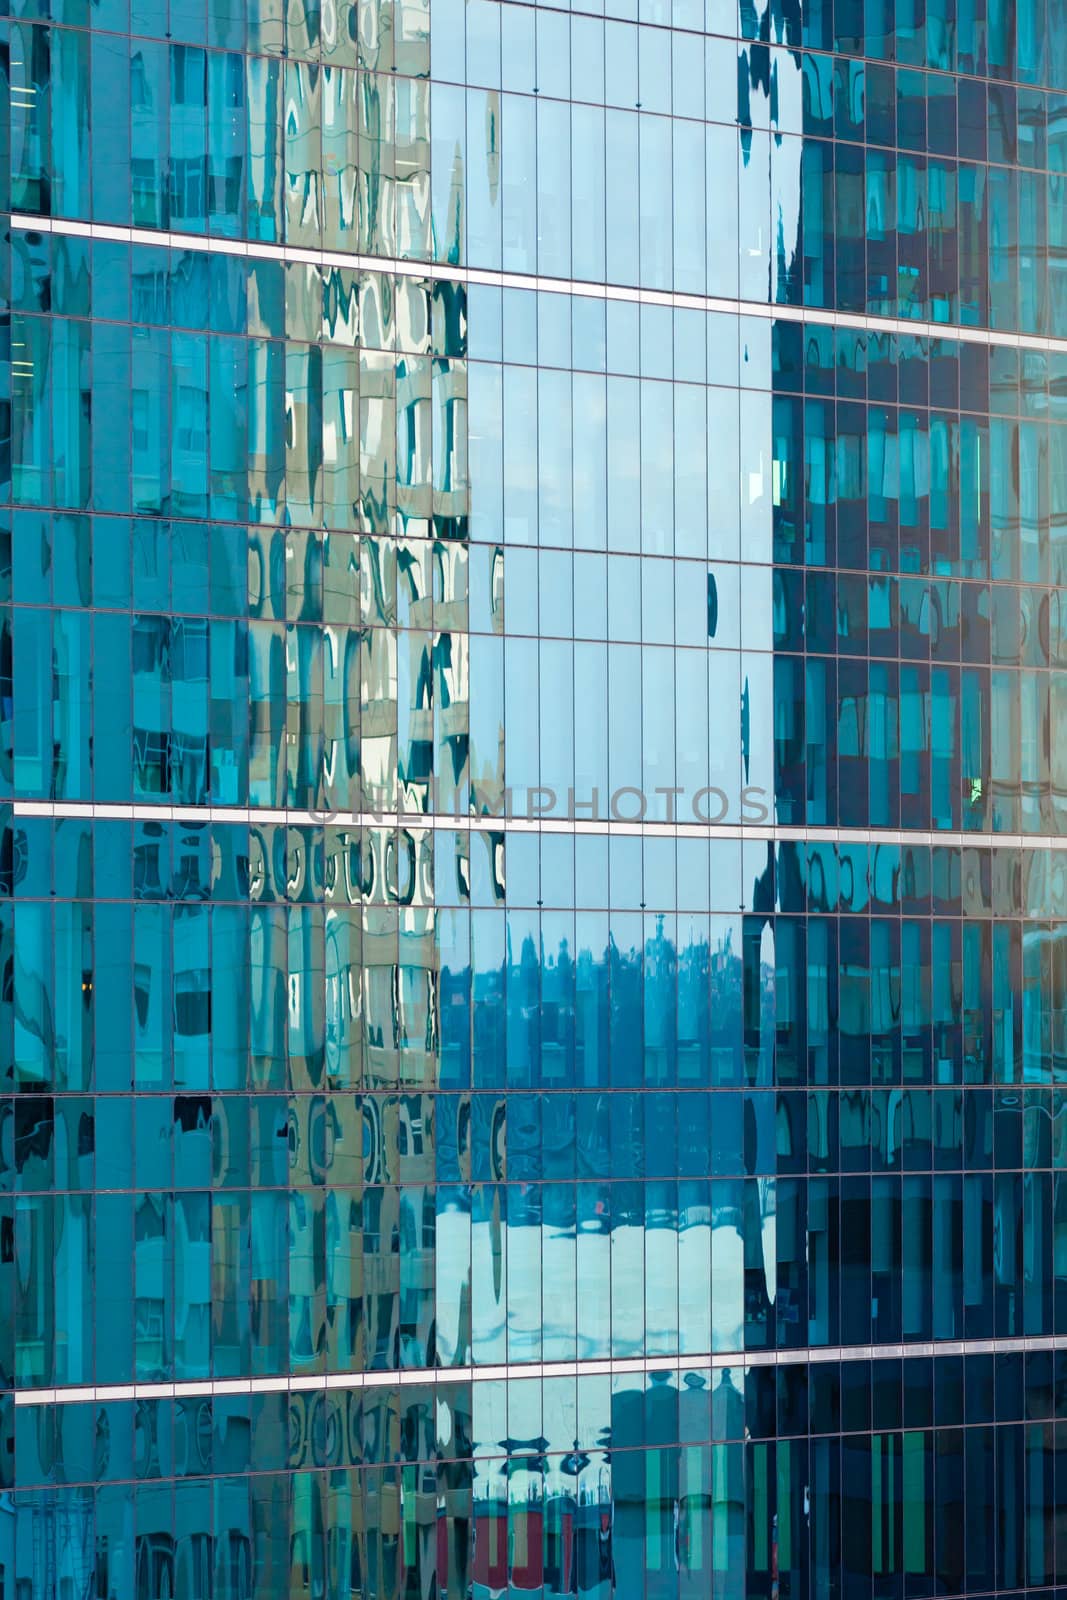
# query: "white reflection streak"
536, 1371
447, 272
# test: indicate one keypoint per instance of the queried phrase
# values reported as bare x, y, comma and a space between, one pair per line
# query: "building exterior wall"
533, 649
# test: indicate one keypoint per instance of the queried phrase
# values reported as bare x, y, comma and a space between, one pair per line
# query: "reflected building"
532, 897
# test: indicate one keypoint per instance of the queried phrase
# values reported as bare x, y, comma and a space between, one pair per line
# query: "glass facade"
533, 834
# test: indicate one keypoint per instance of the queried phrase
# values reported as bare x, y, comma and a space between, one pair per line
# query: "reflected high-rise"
533, 649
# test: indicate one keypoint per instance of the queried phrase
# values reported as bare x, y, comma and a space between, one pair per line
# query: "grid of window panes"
296, 1094
736, 1479
777, 166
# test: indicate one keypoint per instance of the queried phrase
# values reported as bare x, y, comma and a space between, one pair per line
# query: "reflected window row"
164, 135
329, 437
75, 1143
916, 617
627, 64
619, 337
672, 600
335, 720
154, 997
117, 1287
848, 484
380, 36
156, 567
189, 288
796, 480
929, 763
197, 569
989, 39
272, 863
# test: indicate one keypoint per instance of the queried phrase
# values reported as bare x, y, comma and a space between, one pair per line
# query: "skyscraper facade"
533, 655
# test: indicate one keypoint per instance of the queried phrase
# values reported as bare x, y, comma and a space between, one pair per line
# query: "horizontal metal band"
450, 273
197, 816
635, 1365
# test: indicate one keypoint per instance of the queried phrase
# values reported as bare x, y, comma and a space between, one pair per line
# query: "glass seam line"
73, 1393
493, 278
301, 818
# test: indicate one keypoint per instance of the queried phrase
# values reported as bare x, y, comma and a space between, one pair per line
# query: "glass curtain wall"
533, 827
